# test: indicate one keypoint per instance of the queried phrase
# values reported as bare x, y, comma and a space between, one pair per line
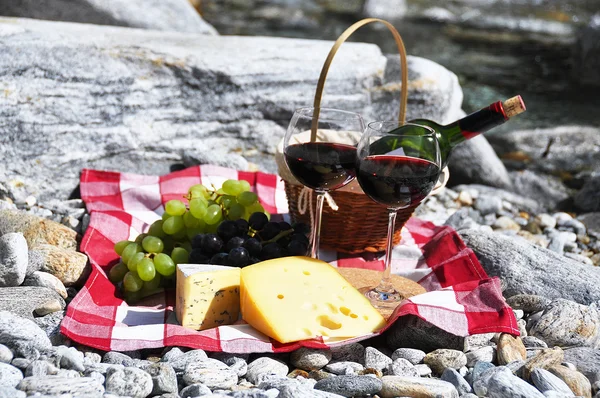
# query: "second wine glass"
397, 166
320, 150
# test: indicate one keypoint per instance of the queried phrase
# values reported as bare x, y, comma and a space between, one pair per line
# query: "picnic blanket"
460, 299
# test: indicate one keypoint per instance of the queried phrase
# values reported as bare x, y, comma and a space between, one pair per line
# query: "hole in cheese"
332, 308
328, 323
280, 296
353, 316
366, 318
340, 297
306, 273
345, 310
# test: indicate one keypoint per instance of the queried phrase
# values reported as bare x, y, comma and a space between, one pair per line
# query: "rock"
69, 266
487, 204
483, 354
70, 358
591, 222
453, 377
350, 386
344, 367
37, 230
44, 279
424, 370
476, 162
442, 358
39, 301
402, 367
168, 15
510, 348
132, 382
503, 385
13, 259
587, 361
413, 332
195, 390
292, 388
180, 362
588, 53
9, 375
101, 368
548, 191
164, 379
577, 382
588, 197
212, 373
21, 335
546, 381
398, 386
56, 385
519, 201
506, 223
481, 381
566, 323
134, 89
40, 368
6, 354
191, 157
376, 359
545, 221
51, 325
412, 355
172, 353
353, 352
118, 358
394, 9
11, 392
528, 302
547, 358
264, 366
310, 359
528, 269
533, 342
479, 368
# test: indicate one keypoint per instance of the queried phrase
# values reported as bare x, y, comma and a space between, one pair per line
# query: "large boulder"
171, 15
587, 69
78, 96
525, 268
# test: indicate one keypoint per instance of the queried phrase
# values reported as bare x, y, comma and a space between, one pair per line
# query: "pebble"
353, 352
546, 381
91, 357
547, 358
194, 390
478, 369
506, 223
376, 359
118, 358
132, 382
97, 376
399, 386
310, 359
265, 366
528, 302
567, 323
576, 381
179, 362
502, 385
457, 380
6, 354
402, 367
164, 378
412, 355
580, 258
40, 368
443, 358
516, 367
340, 368
488, 204
349, 386
481, 382
20, 363
10, 376
319, 375
13, 259
44, 279
11, 392
545, 220
70, 358
424, 370
214, 374
533, 342
22, 335
509, 349
483, 354
68, 373
477, 341
573, 225
464, 198
55, 385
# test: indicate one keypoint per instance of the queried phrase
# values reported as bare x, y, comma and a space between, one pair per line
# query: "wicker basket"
359, 224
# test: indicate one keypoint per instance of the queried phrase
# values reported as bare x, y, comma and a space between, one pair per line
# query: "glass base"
383, 300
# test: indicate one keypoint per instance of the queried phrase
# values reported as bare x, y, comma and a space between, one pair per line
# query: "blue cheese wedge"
207, 295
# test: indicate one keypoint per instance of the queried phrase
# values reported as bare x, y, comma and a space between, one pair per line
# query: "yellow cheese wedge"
207, 295
298, 298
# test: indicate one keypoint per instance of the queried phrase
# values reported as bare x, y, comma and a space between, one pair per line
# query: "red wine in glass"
397, 181
322, 166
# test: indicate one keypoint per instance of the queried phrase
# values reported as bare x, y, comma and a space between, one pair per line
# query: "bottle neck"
476, 123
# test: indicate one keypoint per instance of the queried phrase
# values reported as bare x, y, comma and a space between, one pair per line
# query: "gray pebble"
443, 358
179, 362
412, 355
22, 336
533, 342
458, 381
70, 358
212, 373
13, 259
294, 388
118, 358
44, 279
164, 379
68, 373
132, 382
55, 385
102, 368
488, 204
97, 376
484, 354
9, 375
545, 381
516, 367
402, 367
40, 368
195, 390
50, 324
481, 380
11, 392
310, 359
171, 354
354, 352
265, 366
349, 386
545, 220
20, 363
477, 341
91, 357
236, 362
528, 302
424, 370
398, 386
469, 395
503, 384
6, 354
339, 368
573, 225
376, 359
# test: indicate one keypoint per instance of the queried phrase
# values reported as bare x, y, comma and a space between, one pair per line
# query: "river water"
532, 51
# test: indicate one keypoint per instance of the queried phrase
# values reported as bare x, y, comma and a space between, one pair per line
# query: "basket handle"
347, 33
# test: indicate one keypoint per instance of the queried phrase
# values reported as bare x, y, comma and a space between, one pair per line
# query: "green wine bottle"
472, 125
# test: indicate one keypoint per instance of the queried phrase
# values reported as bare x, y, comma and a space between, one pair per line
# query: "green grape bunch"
147, 265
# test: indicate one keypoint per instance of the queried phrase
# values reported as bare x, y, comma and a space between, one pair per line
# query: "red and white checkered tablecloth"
460, 298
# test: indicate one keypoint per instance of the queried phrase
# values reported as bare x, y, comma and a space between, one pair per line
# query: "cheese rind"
207, 295
299, 298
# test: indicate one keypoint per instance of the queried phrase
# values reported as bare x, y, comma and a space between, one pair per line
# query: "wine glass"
320, 150
397, 166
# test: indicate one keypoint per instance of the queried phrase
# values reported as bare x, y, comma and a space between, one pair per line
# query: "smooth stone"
519, 201
6, 355
452, 376
13, 259
547, 358
566, 323
478, 369
194, 390
524, 268
413, 332
349, 386
70, 358
40, 368
180, 362
118, 358
580, 258
510, 348
573, 225
399, 386
263, 367
21, 335
294, 388
238, 365
55, 385
586, 359
533, 342
412, 355
376, 359
212, 373
353, 352
50, 324
70, 267
577, 382
545, 220
546, 381
481, 382
483, 354
548, 190
21, 363
506, 223
44, 279
130, 381
10, 376
476, 341
424, 370
37, 230
164, 378
319, 375
310, 359
442, 358
588, 197
340, 368
528, 302
172, 353
488, 204
402, 367
68, 373
516, 367
502, 385
11, 392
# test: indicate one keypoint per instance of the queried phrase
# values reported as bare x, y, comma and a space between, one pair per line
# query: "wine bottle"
472, 125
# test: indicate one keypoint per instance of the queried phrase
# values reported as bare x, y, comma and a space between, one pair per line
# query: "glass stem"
317, 227
385, 286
